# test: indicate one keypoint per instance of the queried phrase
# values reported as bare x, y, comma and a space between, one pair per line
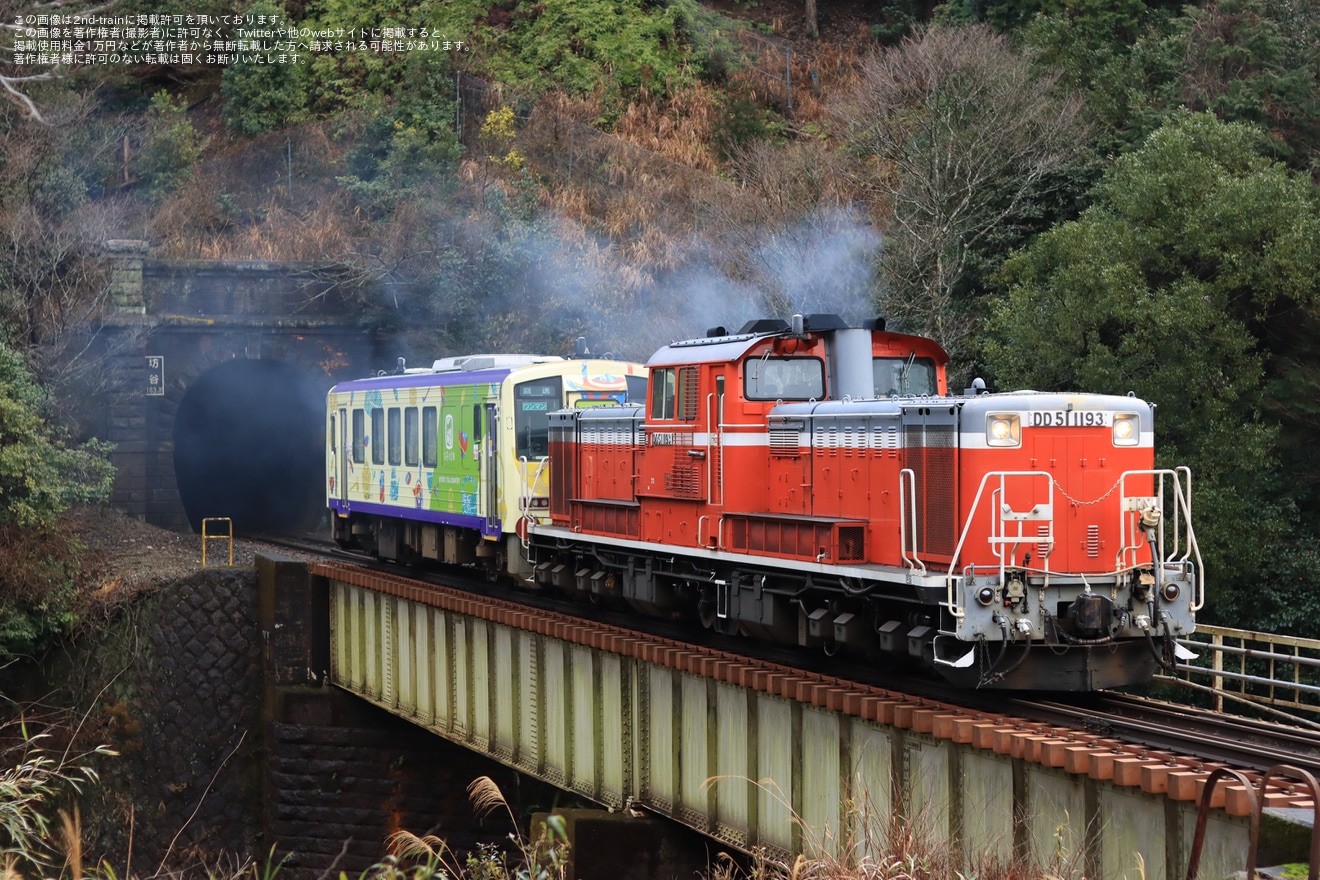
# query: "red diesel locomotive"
816, 484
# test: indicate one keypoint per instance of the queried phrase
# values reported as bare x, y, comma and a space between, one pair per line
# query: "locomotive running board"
893, 575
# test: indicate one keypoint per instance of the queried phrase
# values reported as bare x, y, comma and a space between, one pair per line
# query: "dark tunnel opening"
249, 445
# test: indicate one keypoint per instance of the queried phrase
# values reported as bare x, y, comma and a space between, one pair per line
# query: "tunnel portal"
249, 444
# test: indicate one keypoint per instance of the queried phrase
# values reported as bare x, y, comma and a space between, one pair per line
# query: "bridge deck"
753, 757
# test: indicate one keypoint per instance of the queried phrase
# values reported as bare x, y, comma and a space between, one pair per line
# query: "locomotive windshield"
778, 378
532, 404
909, 375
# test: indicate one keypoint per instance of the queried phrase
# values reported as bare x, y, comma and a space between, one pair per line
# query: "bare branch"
958, 137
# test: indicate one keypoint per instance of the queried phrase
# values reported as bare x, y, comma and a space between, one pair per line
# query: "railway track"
1162, 747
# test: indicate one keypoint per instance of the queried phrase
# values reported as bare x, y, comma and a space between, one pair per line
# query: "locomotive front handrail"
1185, 549
997, 541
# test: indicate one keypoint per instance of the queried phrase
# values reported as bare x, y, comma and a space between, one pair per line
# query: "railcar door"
344, 451
490, 463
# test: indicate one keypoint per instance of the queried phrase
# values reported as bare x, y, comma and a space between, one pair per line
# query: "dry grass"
679, 128
889, 845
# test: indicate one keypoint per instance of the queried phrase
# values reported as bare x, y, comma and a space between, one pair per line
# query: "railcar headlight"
1127, 429
1003, 429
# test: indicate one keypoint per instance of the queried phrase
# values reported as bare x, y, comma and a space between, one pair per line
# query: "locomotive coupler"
1092, 615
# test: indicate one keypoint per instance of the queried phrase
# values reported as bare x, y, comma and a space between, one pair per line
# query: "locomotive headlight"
1003, 429
1170, 592
1126, 429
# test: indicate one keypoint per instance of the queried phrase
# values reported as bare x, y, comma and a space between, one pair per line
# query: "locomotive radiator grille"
784, 439
609, 519
824, 541
684, 480
930, 455
885, 439
783, 537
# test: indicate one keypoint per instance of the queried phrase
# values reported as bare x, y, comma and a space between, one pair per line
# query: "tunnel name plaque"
155, 376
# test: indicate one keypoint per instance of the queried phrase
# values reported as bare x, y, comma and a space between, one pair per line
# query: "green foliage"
899, 18
577, 45
40, 477
1195, 245
172, 146
742, 122
1253, 61
261, 98
407, 145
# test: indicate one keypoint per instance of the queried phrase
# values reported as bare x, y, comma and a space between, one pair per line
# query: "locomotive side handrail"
914, 561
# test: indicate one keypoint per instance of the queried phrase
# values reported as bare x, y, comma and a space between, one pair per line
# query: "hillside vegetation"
1108, 197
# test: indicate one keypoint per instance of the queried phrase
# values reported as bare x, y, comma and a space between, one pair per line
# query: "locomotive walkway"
759, 755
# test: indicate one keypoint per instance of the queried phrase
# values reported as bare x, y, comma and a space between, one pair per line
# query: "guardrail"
227, 535
1279, 673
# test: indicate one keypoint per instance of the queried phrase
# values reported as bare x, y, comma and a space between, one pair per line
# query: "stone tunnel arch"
248, 439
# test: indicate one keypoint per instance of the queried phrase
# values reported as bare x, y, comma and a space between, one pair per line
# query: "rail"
1276, 672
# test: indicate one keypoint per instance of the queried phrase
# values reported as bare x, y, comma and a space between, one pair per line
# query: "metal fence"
1278, 673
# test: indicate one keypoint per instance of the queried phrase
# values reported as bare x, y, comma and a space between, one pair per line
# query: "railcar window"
430, 437
377, 439
791, 378
662, 394
334, 447
396, 447
904, 376
532, 404
359, 436
636, 388
410, 437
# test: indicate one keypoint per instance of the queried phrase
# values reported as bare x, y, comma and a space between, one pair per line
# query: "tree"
263, 97
54, 223
1254, 61
964, 144
1196, 251
41, 476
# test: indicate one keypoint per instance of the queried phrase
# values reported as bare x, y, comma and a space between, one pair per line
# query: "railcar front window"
792, 378
532, 404
910, 375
